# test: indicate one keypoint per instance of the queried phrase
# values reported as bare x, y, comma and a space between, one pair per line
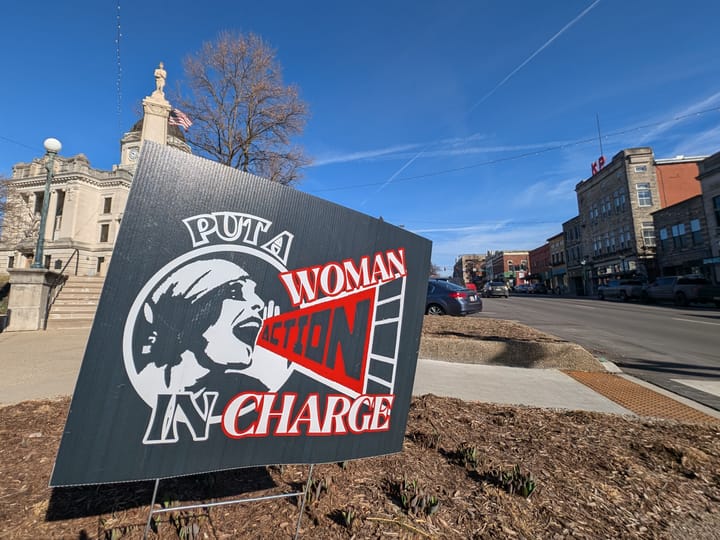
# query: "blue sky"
467, 122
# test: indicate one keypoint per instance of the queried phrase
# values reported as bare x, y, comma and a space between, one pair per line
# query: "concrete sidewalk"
45, 364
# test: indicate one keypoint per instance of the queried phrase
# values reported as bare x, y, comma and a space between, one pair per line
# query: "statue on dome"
160, 76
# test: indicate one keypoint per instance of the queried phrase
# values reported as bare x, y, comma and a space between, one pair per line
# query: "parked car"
682, 290
445, 297
622, 289
495, 288
538, 288
522, 289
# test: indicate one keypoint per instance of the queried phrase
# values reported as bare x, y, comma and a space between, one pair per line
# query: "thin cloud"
367, 155
704, 143
445, 148
507, 78
525, 237
546, 192
702, 105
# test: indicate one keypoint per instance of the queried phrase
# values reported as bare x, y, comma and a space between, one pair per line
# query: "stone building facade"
615, 208
682, 242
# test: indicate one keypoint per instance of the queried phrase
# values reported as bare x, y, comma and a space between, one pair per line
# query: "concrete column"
29, 292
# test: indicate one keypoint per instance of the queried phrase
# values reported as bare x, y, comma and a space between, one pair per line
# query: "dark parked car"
495, 288
538, 288
444, 297
682, 290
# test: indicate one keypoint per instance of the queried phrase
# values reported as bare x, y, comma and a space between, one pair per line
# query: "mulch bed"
594, 476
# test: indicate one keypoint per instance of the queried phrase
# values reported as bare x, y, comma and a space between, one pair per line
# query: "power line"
524, 155
118, 83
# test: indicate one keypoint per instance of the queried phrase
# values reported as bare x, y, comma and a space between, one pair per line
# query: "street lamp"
583, 263
52, 147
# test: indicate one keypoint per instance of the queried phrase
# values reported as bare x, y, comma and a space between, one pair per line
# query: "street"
675, 348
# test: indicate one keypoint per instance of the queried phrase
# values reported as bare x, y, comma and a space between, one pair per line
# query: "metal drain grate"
640, 400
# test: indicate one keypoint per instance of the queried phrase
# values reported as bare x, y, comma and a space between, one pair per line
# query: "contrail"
533, 55
497, 86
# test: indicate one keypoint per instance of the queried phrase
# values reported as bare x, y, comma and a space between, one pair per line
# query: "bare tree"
434, 270
242, 113
18, 222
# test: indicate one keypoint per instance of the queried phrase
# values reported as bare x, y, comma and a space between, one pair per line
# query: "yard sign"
243, 323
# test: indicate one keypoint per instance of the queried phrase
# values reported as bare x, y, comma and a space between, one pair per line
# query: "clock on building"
133, 154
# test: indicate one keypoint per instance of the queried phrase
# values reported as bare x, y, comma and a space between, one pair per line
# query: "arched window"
511, 266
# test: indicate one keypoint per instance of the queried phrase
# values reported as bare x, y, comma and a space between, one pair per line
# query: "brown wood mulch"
465, 469
596, 476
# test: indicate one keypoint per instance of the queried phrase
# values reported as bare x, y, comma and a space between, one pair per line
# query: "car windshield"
497, 284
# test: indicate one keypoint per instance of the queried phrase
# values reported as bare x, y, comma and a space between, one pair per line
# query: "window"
648, 233
663, 238
695, 230
39, 197
104, 232
523, 265
643, 194
641, 168
107, 205
11, 261
677, 232
511, 266
60, 204
716, 209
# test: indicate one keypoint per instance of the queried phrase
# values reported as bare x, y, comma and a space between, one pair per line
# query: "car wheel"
601, 296
434, 309
623, 296
681, 299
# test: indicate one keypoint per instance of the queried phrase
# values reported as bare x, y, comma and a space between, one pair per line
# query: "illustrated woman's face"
231, 338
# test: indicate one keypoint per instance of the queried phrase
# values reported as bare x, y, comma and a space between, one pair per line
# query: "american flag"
179, 118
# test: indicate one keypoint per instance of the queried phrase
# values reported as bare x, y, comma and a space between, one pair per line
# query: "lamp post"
583, 263
52, 147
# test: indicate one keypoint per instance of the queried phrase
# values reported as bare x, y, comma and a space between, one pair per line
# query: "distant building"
470, 269
86, 205
539, 259
615, 207
682, 238
709, 178
509, 266
558, 268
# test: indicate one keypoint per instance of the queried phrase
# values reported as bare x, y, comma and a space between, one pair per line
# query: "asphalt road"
675, 348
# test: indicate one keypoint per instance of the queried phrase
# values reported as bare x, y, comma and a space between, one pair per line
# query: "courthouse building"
86, 204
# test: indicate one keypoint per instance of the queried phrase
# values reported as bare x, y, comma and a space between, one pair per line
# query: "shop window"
695, 231
644, 195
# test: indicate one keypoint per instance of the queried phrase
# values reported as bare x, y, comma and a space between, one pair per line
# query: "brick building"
709, 178
511, 267
540, 263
